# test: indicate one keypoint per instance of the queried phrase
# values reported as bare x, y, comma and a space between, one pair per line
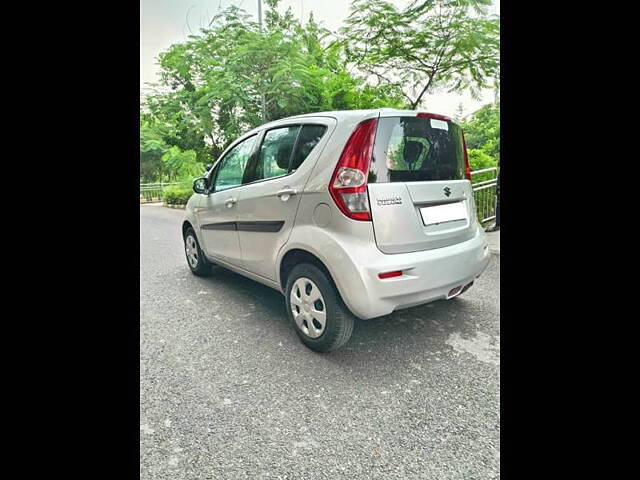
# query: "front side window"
233, 165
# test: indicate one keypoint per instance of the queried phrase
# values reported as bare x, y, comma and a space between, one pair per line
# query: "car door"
218, 211
268, 203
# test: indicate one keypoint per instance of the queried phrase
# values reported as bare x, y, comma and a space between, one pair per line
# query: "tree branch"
424, 90
395, 84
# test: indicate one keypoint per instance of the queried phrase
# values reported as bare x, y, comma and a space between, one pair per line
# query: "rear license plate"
449, 212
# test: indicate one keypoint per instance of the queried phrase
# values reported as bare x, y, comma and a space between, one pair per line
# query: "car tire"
197, 261
311, 293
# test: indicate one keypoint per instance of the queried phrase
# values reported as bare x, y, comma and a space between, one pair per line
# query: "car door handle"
286, 193
230, 202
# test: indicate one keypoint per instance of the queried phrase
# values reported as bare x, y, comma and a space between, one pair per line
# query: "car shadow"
404, 333
268, 298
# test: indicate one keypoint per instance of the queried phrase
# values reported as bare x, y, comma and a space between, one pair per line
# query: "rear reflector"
395, 273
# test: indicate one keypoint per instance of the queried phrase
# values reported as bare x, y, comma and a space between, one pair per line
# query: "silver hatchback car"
348, 214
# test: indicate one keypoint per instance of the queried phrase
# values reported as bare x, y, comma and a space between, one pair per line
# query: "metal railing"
485, 193
152, 192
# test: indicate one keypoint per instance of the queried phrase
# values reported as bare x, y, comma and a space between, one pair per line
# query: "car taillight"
348, 186
467, 167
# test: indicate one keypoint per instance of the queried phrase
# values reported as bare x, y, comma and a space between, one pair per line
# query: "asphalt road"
227, 391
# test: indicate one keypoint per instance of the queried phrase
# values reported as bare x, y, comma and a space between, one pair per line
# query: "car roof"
342, 115
351, 114
339, 115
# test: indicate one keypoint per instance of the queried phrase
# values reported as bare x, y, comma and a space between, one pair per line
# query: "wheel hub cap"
191, 250
308, 307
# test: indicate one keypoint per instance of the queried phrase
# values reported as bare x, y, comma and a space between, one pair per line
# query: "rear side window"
411, 149
283, 150
309, 138
275, 152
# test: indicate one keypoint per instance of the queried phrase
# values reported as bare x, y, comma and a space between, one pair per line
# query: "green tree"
482, 131
430, 45
211, 85
482, 136
161, 162
181, 166
152, 148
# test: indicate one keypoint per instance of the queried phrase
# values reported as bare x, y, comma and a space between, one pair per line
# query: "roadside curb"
181, 207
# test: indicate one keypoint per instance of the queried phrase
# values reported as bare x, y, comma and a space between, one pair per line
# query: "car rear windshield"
411, 149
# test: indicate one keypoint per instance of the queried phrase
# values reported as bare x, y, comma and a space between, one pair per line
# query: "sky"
165, 22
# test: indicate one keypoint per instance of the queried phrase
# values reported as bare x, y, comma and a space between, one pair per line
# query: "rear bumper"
427, 276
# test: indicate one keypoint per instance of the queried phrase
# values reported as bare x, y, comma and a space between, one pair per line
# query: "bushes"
478, 160
177, 194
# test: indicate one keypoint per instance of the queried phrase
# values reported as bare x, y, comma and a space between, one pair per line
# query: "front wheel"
196, 259
320, 319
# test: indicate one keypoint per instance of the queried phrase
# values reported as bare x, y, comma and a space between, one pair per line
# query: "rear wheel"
196, 260
319, 316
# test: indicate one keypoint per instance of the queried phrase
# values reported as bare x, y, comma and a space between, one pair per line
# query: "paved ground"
228, 392
494, 241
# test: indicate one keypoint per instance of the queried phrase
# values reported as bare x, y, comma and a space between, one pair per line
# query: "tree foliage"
181, 165
482, 136
434, 44
211, 85
482, 130
152, 148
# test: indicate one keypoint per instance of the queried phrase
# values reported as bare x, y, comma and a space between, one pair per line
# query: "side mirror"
201, 185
